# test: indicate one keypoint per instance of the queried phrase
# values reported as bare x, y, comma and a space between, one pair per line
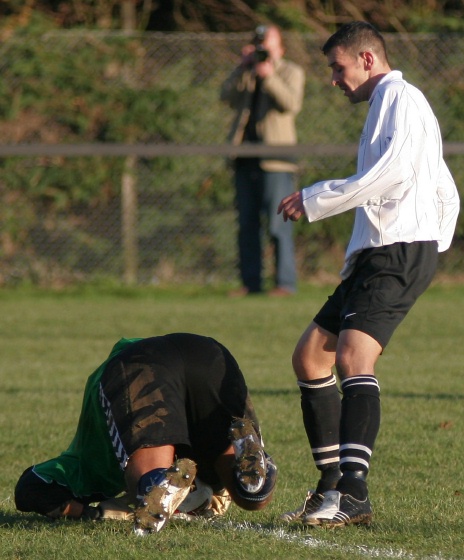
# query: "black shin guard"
321, 408
360, 424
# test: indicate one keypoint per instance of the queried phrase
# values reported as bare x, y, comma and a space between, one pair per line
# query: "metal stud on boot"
161, 501
250, 460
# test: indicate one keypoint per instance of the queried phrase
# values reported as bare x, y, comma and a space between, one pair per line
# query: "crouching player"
166, 420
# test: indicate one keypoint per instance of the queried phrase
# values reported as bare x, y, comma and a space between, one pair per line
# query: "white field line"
310, 542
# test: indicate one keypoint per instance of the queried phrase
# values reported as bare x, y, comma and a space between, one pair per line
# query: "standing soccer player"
406, 209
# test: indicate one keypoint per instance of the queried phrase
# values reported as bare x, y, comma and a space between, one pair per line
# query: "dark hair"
356, 37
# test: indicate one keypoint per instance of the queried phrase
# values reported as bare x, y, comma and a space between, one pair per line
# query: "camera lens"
261, 54
261, 31
260, 34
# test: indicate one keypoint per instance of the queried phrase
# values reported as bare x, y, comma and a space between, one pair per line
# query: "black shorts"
179, 389
382, 288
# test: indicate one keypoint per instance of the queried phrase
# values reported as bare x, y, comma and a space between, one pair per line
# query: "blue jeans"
259, 193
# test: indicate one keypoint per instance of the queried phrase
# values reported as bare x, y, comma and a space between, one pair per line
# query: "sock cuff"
360, 385
318, 383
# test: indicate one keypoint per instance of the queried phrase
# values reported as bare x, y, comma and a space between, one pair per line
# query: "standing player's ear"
368, 58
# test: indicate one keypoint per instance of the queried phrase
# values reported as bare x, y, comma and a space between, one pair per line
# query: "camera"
260, 34
261, 54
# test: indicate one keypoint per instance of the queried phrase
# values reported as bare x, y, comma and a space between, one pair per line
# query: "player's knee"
24, 500
299, 364
348, 363
32, 494
308, 367
342, 366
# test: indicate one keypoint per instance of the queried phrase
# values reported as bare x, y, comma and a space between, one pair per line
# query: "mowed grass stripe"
51, 342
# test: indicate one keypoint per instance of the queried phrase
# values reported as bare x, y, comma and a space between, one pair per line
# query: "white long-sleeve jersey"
403, 190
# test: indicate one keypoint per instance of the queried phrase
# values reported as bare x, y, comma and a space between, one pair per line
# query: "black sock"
354, 483
321, 407
330, 476
359, 426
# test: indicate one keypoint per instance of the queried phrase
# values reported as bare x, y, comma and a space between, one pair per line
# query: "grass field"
51, 342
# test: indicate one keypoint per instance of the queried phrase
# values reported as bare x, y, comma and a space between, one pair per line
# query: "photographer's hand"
264, 69
248, 52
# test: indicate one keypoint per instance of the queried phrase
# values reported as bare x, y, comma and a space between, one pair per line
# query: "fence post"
129, 220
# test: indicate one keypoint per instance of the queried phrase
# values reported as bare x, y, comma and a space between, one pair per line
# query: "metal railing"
169, 213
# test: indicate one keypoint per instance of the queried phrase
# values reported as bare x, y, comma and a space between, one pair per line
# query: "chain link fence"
161, 208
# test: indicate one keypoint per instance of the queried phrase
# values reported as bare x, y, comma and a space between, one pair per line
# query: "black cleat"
311, 504
250, 459
159, 504
351, 512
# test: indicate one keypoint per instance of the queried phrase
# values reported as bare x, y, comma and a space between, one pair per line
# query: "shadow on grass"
276, 392
35, 522
424, 396
24, 521
273, 392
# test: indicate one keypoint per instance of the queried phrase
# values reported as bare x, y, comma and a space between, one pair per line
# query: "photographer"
266, 91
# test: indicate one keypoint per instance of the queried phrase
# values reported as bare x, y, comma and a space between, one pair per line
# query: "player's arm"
448, 206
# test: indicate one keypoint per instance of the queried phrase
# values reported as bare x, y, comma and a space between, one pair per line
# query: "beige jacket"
279, 103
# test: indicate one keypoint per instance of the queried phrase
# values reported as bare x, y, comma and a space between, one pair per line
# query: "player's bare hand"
291, 207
